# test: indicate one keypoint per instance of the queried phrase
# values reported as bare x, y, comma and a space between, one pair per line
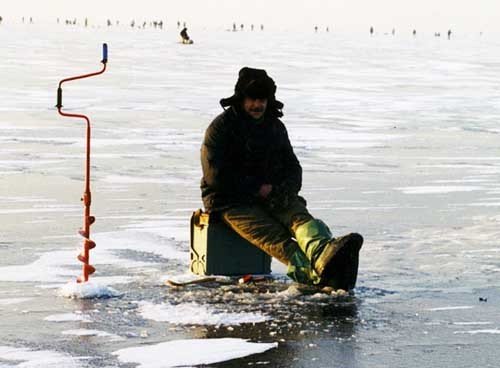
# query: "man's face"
255, 107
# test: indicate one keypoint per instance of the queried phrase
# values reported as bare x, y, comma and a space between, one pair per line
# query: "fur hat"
254, 83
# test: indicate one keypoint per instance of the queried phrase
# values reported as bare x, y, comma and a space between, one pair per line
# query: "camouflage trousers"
270, 229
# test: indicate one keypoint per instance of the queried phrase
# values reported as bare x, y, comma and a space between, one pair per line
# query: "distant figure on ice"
242, 26
393, 31
184, 36
252, 179
449, 33
316, 29
1, 20
234, 27
414, 32
261, 27
371, 31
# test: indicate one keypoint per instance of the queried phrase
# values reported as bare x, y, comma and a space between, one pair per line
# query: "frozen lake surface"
399, 140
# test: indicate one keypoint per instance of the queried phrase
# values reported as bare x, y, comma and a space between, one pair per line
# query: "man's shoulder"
220, 123
225, 118
276, 122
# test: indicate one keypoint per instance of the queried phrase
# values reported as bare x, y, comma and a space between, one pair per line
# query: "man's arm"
292, 181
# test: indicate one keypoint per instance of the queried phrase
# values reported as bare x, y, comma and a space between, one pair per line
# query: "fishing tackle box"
216, 249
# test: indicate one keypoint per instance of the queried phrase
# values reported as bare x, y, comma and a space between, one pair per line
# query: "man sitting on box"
252, 179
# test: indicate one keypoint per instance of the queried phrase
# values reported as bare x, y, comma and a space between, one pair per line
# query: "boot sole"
341, 256
343, 271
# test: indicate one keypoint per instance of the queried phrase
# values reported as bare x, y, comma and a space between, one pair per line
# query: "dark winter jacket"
239, 154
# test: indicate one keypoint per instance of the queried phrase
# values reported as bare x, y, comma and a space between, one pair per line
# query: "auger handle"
104, 53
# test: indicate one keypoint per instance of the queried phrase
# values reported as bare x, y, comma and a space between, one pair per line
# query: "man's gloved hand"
280, 197
265, 190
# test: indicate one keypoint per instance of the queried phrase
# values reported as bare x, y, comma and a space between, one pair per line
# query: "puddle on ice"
191, 352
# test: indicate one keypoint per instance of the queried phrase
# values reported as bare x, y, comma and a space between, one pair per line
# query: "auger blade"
89, 244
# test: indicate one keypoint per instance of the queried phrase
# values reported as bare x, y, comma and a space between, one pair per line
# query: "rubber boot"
335, 261
299, 267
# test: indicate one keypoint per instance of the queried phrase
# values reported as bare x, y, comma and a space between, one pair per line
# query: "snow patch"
191, 352
450, 308
96, 333
438, 189
67, 317
475, 332
87, 290
37, 359
196, 314
10, 301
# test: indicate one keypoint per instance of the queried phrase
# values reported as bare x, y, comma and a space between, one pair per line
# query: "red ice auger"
88, 220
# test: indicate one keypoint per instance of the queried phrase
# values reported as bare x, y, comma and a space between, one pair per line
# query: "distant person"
184, 36
132, 24
371, 31
316, 29
234, 27
261, 27
328, 29
414, 32
251, 27
31, 20
109, 23
252, 179
449, 33
393, 31
242, 26
1, 20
